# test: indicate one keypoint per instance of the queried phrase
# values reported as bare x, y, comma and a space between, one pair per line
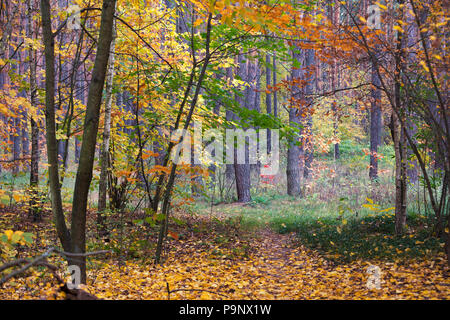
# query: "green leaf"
150, 221
16, 237
178, 221
28, 237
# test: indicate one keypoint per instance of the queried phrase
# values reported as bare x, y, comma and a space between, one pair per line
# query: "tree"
104, 155
74, 241
310, 73
375, 125
242, 170
34, 163
295, 150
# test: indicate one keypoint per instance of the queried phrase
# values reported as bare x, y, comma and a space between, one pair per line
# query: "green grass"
334, 229
20, 183
370, 237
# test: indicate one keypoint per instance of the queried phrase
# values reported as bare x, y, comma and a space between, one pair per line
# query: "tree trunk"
334, 15
74, 241
309, 152
104, 153
400, 173
274, 82
293, 172
34, 164
52, 145
268, 101
399, 138
375, 126
84, 172
242, 171
293, 157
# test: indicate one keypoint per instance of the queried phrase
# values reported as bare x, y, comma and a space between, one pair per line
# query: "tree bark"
400, 173
399, 141
375, 126
34, 164
295, 151
268, 101
309, 152
84, 172
274, 83
104, 153
52, 145
242, 171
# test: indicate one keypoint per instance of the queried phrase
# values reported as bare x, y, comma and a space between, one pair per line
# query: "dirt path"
210, 264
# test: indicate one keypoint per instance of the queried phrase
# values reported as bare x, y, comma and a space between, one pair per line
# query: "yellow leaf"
424, 65
17, 197
398, 28
16, 236
198, 22
19, 233
381, 6
9, 234
205, 296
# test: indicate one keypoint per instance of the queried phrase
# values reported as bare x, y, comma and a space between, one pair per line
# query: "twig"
38, 261
27, 266
69, 254
12, 264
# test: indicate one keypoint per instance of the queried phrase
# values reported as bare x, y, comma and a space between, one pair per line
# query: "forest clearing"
224, 150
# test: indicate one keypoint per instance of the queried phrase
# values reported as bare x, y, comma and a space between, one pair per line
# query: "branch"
26, 267
39, 262
69, 254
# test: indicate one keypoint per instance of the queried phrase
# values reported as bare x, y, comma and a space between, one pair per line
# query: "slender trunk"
104, 153
84, 172
34, 164
52, 145
168, 191
293, 157
268, 101
309, 152
274, 83
400, 174
399, 142
229, 116
295, 151
334, 14
375, 126
242, 170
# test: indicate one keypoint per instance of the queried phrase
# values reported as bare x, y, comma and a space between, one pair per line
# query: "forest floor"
212, 257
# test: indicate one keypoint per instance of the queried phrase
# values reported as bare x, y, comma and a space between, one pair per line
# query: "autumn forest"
224, 150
